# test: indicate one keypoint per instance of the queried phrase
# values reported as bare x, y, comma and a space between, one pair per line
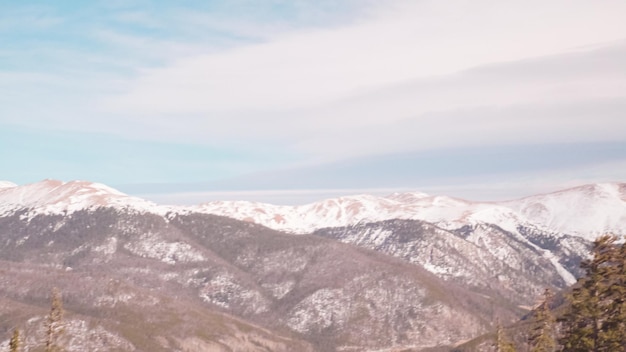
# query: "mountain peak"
585, 211
588, 210
7, 184
57, 197
407, 197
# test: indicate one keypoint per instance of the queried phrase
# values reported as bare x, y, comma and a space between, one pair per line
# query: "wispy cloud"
558, 98
319, 82
311, 67
443, 70
485, 189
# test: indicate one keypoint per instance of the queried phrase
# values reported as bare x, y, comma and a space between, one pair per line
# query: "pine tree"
542, 334
54, 323
615, 320
14, 343
585, 322
502, 343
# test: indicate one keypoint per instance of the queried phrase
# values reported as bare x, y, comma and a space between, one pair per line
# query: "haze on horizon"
293, 101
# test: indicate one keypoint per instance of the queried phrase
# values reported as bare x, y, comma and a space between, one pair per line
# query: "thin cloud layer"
312, 67
238, 88
427, 65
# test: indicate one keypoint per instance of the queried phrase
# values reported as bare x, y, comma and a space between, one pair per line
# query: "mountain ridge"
608, 201
599, 208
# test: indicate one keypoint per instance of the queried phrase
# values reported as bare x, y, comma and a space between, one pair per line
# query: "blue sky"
292, 101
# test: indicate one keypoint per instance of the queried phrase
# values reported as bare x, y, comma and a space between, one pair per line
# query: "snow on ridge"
584, 211
345, 211
58, 197
7, 184
407, 197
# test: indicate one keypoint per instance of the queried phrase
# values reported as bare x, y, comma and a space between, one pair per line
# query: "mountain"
7, 184
554, 228
133, 275
406, 271
584, 211
509, 250
57, 197
485, 259
134, 279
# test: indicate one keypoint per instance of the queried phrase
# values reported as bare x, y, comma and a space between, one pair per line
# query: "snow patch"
280, 290
320, 310
154, 247
223, 290
7, 184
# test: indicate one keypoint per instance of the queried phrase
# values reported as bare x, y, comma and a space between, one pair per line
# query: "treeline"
53, 325
594, 316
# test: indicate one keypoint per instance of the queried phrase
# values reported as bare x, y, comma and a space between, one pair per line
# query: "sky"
295, 101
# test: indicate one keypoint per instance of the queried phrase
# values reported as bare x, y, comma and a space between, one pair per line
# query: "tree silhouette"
14, 343
592, 321
54, 323
502, 343
542, 334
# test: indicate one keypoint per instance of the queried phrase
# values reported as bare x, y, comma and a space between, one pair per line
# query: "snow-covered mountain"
136, 281
57, 197
7, 184
452, 258
585, 211
356, 209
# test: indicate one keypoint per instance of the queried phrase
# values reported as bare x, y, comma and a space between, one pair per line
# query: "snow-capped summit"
309, 217
585, 211
7, 184
58, 197
350, 210
588, 210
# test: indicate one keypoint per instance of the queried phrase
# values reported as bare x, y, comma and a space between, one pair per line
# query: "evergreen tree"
542, 334
585, 323
54, 323
14, 343
502, 343
615, 318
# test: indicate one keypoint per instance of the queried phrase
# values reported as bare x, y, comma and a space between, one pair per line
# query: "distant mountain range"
584, 211
404, 272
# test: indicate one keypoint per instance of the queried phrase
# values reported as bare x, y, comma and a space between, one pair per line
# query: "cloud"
314, 87
312, 67
411, 76
576, 96
502, 187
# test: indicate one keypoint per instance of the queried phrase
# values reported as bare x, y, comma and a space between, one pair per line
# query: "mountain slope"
113, 264
485, 259
587, 211
104, 312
